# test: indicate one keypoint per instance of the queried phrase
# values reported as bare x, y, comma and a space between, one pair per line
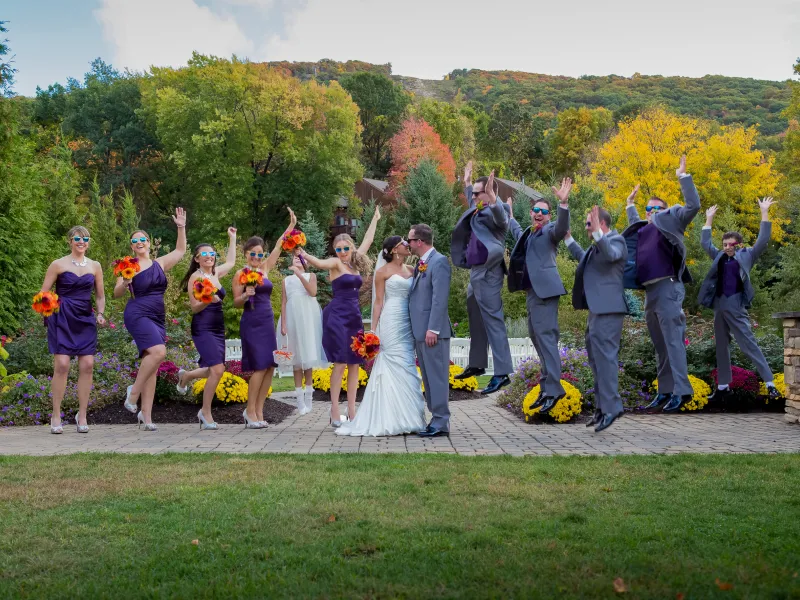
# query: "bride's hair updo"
388, 245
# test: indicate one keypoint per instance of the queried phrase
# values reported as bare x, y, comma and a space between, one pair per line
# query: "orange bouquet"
293, 239
126, 267
204, 290
46, 303
251, 277
366, 345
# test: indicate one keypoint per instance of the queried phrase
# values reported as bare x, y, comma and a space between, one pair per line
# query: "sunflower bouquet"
46, 303
251, 277
126, 267
204, 290
366, 345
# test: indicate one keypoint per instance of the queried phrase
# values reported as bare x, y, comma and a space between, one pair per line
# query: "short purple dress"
257, 329
145, 316
73, 329
341, 320
208, 333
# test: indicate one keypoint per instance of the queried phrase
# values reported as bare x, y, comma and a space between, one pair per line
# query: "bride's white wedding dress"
393, 403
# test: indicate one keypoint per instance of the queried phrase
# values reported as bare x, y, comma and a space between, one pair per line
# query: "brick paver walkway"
478, 427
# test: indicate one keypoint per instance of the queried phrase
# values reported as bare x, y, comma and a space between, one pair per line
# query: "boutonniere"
536, 227
479, 206
422, 267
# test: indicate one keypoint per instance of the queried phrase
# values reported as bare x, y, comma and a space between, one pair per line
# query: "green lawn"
399, 526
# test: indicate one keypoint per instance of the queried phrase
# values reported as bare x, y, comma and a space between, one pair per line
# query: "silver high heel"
182, 390
130, 407
203, 423
248, 424
334, 424
81, 428
57, 429
147, 426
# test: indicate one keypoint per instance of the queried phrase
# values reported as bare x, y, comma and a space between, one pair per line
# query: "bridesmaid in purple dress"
341, 319
208, 324
72, 331
145, 315
257, 327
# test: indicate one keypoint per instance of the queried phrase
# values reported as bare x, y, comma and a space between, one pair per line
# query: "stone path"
478, 427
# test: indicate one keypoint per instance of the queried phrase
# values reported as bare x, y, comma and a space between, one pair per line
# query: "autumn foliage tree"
415, 142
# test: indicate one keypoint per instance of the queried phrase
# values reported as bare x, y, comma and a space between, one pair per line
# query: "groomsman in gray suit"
430, 325
535, 253
599, 289
478, 244
728, 290
661, 269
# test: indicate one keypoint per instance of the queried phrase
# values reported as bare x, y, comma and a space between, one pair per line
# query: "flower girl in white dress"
300, 330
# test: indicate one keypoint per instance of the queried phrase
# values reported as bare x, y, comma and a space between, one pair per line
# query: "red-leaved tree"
416, 141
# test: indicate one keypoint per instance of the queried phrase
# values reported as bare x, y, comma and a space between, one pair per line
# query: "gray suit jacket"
539, 252
427, 299
598, 280
746, 257
672, 223
489, 225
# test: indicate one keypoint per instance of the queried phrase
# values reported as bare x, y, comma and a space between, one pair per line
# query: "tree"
6, 70
455, 129
426, 198
417, 141
247, 140
726, 167
577, 133
381, 104
516, 136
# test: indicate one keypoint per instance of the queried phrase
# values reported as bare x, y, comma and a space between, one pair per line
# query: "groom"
430, 324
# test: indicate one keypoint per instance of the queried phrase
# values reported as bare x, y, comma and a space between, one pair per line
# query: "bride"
393, 402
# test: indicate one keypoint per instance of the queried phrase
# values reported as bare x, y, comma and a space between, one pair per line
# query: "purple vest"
477, 254
730, 282
654, 255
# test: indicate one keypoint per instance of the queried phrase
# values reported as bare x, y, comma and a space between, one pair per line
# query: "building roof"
377, 183
521, 187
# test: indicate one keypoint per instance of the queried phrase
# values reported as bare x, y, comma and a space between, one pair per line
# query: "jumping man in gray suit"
728, 290
430, 325
661, 269
599, 289
478, 244
533, 268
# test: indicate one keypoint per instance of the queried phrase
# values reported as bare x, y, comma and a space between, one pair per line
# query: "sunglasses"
342, 249
258, 254
544, 211
588, 223
78, 238
208, 253
413, 239
402, 243
730, 244
141, 240
653, 208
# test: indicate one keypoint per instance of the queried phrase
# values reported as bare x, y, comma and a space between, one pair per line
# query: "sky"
56, 39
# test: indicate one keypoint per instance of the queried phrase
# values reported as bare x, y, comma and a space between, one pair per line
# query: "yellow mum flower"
779, 383
469, 384
231, 388
566, 408
321, 378
700, 392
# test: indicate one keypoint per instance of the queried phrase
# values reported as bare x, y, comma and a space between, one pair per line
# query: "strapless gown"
257, 330
208, 333
73, 329
341, 320
145, 316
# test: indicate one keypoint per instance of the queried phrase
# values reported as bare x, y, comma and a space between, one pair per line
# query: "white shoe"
147, 426
309, 397
301, 404
248, 424
203, 423
182, 390
131, 407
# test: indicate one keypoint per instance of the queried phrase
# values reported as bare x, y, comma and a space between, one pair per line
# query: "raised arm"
99, 294
230, 256
326, 264
613, 249
173, 258
468, 184
765, 230
691, 198
380, 292
272, 260
705, 235
561, 228
630, 207
574, 247
370, 235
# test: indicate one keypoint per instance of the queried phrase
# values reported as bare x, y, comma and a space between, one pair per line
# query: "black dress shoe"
606, 421
470, 372
495, 383
675, 403
539, 400
659, 401
596, 418
548, 402
773, 393
433, 432
719, 395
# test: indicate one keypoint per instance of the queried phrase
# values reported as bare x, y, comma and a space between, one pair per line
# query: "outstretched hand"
632, 196
562, 193
711, 213
489, 189
765, 203
468, 173
377, 214
510, 203
179, 217
681, 170
232, 232
594, 217
292, 218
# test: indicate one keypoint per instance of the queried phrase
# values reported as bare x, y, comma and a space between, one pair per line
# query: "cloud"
165, 32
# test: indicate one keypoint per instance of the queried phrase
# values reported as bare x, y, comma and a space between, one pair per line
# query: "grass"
392, 526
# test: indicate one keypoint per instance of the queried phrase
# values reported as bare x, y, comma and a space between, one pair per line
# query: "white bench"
521, 348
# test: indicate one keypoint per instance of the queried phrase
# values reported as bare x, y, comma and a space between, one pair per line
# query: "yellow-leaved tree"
725, 165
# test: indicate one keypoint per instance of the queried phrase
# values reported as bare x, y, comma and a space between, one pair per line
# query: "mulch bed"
185, 412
